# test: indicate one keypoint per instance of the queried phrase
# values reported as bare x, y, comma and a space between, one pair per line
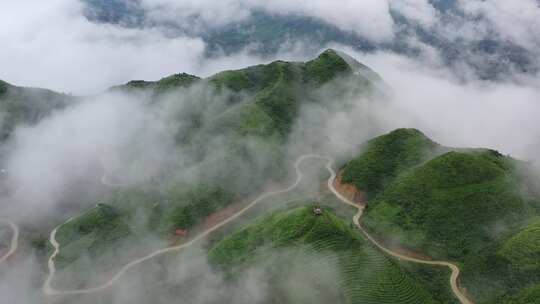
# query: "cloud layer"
369, 18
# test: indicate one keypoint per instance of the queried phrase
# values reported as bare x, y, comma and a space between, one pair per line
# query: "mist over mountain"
246, 151
459, 33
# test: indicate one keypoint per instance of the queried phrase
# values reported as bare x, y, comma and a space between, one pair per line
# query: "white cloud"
498, 115
368, 18
51, 44
197, 14
420, 11
71, 147
517, 21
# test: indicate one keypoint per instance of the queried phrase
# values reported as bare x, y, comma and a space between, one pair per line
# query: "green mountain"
171, 82
475, 207
21, 105
383, 157
465, 205
265, 33
264, 99
234, 130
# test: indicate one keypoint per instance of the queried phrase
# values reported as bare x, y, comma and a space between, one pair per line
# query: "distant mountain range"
265, 34
21, 105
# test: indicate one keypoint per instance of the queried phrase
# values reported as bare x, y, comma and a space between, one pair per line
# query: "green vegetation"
383, 157
467, 205
181, 207
186, 208
163, 85
364, 274
19, 105
98, 242
274, 103
444, 199
278, 90
326, 67
530, 295
233, 129
110, 235
93, 232
262, 103
523, 249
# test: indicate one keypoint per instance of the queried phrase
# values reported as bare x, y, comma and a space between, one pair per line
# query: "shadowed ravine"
49, 290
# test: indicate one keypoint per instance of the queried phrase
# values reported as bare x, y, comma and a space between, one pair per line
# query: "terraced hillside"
466, 205
364, 274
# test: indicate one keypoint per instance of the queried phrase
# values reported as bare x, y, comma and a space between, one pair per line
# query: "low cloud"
72, 148
517, 21
420, 11
53, 45
369, 18
427, 95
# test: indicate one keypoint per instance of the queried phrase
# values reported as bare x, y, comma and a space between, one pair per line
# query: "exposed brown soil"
222, 214
350, 191
215, 218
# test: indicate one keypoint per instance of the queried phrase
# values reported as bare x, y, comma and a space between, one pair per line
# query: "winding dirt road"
49, 290
356, 219
14, 240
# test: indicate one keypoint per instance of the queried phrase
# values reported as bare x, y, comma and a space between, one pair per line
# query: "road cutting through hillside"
49, 290
14, 243
356, 219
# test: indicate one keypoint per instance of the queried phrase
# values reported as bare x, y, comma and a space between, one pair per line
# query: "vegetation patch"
523, 249
384, 157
